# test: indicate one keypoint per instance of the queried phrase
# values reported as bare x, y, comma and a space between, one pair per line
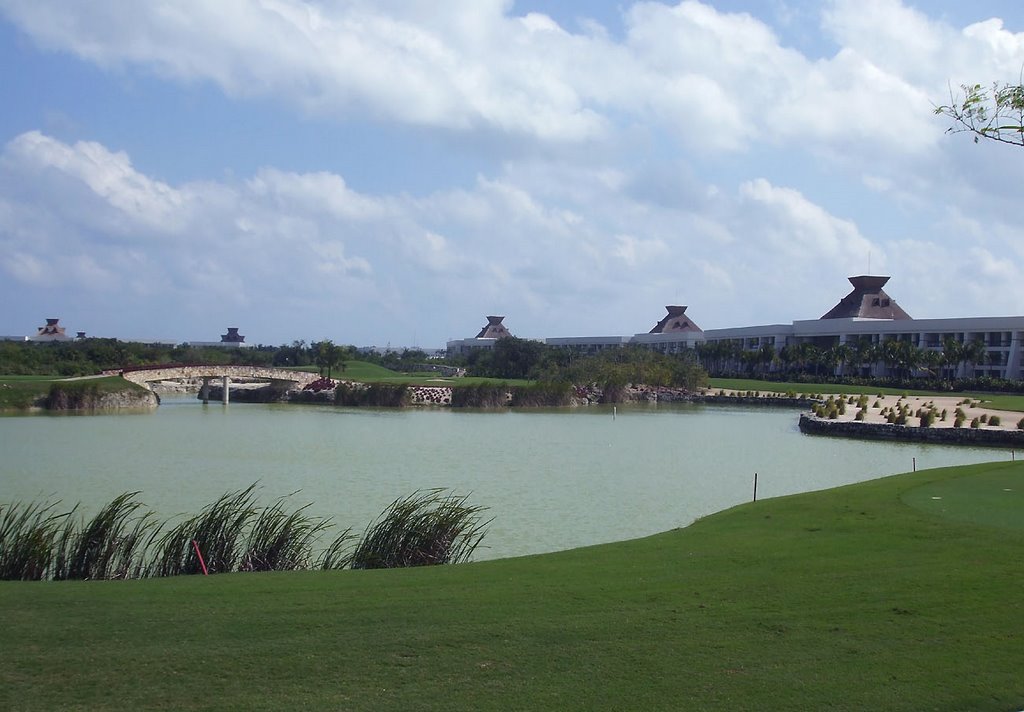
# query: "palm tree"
843, 355
328, 356
890, 353
953, 355
787, 354
862, 353
932, 361
765, 356
974, 352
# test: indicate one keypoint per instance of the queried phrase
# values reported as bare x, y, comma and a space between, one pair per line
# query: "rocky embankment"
934, 419
85, 398
395, 395
912, 433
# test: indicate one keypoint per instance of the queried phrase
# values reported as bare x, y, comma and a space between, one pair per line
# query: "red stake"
195, 545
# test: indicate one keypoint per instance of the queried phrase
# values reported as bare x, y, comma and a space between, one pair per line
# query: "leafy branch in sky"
996, 113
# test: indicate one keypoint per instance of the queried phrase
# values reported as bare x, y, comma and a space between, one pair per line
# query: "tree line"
903, 360
515, 358
83, 357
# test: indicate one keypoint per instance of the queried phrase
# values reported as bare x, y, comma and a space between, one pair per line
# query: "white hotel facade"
866, 313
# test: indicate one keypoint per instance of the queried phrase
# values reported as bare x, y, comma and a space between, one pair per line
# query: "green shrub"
995, 420
859, 416
926, 419
984, 418
543, 394
1020, 424
975, 423
485, 395
901, 419
958, 421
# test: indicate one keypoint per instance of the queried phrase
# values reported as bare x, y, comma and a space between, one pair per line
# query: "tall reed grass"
110, 545
426, 528
39, 541
29, 534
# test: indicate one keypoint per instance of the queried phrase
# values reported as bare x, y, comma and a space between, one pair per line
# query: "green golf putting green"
993, 498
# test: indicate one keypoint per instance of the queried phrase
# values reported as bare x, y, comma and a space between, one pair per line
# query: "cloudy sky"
391, 171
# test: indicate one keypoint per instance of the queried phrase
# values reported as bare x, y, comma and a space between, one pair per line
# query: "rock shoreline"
813, 425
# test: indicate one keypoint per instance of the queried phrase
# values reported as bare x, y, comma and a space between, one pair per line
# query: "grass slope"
20, 392
372, 373
847, 600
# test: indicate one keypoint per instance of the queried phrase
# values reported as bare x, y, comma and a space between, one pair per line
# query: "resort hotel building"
867, 315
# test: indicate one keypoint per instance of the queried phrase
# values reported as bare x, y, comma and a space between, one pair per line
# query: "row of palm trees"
900, 357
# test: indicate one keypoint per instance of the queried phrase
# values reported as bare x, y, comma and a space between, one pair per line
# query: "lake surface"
553, 479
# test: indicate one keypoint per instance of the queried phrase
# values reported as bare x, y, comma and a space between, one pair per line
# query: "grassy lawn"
847, 599
372, 373
1001, 401
18, 392
750, 384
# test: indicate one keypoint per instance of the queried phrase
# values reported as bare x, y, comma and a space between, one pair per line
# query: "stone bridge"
144, 375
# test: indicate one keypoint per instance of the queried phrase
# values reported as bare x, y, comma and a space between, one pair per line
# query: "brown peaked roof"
51, 329
867, 301
675, 320
494, 329
232, 337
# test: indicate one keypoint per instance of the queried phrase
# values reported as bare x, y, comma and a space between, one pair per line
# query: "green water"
553, 479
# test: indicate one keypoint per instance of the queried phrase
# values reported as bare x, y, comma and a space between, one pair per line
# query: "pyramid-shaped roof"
494, 329
675, 321
867, 301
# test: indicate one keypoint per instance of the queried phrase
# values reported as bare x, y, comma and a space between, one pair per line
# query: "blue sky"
392, 171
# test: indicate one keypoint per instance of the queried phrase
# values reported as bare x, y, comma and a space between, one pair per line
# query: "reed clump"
110, 545
41, 541
426, 528
29, 535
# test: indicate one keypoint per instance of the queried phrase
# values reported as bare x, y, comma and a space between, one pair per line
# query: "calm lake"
553, 479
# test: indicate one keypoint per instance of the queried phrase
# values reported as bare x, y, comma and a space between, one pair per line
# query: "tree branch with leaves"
996, 113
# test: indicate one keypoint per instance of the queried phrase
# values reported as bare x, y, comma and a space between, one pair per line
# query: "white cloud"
798, 228
715, 80
689, 152
635, 252
520, 247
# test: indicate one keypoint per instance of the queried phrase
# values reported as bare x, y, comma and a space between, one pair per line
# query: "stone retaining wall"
430, 395
781, 401
885, 431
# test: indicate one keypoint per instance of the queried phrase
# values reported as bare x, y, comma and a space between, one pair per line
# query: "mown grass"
845, 600
21, 392
366, 372
1000, 401
750, 384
